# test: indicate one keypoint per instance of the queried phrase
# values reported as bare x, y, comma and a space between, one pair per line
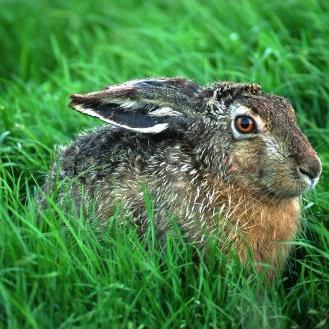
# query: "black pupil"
245, 122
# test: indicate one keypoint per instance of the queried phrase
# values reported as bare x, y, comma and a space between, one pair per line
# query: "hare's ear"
146, 106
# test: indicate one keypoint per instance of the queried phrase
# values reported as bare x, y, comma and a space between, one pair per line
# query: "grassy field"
60, 272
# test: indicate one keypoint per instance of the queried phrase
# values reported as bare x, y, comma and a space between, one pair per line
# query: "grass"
58, 271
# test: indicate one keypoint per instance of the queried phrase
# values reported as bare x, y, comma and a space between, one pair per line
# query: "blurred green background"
50, 49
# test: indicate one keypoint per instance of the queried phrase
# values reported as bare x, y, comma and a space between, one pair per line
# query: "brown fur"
259, 226
180, 141
247, 223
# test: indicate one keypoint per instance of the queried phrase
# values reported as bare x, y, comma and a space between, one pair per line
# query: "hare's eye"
245, 124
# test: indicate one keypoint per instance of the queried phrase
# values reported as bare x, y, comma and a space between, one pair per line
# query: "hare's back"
101, 151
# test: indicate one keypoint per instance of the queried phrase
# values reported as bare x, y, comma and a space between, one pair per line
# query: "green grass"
57, 271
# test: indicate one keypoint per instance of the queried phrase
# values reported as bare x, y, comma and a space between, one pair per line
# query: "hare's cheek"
245, 161
278, 178
242, 168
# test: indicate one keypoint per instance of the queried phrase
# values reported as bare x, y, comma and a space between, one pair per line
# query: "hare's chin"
295, 187
309, 182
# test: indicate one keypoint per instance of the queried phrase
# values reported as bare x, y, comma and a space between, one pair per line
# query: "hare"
227, 159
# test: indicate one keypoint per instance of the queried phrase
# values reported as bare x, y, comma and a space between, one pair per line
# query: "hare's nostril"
311, 168
304, 172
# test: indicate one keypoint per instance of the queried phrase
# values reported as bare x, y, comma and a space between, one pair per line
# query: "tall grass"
57, 270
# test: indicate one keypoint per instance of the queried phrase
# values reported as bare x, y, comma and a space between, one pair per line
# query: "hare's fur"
180, 143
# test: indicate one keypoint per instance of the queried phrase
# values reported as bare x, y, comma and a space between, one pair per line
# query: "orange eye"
245, 124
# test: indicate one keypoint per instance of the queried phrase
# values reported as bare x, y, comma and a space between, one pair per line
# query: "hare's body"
114, 175
203, 171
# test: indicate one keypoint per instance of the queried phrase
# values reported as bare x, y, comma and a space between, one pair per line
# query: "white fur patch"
165, 111
272, 147
309, 182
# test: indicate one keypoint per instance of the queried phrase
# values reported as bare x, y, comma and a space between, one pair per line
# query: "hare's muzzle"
310, 170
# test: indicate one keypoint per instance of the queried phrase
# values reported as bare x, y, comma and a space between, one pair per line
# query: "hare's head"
263, 145
235, 131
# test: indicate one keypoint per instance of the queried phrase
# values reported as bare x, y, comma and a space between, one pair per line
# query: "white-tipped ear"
146, 127
145, 106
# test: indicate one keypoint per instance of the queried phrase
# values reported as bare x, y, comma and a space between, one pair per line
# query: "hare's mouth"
309, 182
287, 183
303, 182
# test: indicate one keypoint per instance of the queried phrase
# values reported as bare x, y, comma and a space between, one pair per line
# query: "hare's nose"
311, 167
